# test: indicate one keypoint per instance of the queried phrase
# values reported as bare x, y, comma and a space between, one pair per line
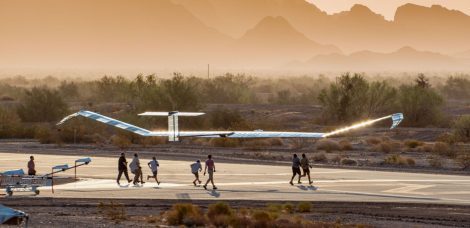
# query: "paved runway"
249, 182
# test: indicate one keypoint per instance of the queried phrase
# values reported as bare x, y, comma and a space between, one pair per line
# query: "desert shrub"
42, 105
412, 144
352, 96
457, 87
219, 209
151, 141
10, 126
185, 214
463, 160
410, 161
384, 147
396, 159
461, 128
327, 145
112, 211
447, 138
435, 161
319, 157
274, 207
256, 144
336, 159
288, 208
347, 161
443, 149
224, 142
120, 141
373, 140
298, 143
275, 142
421, 104
425, 148
345, 145
304, 207
227, 119
45, 135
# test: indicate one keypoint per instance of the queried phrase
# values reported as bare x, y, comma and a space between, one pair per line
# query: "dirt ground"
48, 212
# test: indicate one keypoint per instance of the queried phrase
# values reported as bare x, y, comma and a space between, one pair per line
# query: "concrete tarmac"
246, 182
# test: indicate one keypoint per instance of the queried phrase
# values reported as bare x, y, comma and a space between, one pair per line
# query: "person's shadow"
124, 185
307, 188
214, 193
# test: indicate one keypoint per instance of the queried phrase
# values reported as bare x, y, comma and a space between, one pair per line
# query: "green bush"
421, 104
41, 104
461, 128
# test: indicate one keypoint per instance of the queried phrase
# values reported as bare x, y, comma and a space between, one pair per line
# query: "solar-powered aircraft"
174, 133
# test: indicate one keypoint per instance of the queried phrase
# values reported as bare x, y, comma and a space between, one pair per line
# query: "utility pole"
208, 71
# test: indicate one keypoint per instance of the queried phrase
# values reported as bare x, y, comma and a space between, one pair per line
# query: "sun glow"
355, 126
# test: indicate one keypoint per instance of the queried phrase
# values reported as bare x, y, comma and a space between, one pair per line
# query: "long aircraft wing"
396, 119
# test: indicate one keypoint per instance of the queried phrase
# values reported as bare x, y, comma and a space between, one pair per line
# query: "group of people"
196, 168
298, 163
136, 169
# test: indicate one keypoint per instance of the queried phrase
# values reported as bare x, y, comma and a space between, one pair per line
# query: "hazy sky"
388, 7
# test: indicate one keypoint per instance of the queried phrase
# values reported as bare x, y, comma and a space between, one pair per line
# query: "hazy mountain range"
229, 33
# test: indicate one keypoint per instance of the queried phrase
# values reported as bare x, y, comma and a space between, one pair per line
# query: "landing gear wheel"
36, 192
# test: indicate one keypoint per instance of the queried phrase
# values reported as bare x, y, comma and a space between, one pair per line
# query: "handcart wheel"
10, 193
37, 192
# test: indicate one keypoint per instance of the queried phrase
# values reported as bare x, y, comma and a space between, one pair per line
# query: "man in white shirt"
153, 165
136, 169
195, 169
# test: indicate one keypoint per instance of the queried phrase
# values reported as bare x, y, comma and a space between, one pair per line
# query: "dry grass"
304, 207
224, 142
463, 161
435, 161
384, 147
412, 144
345, 145
121, 141
347, 161
327, 145
443, 149
425, 148
112, 211
319, 157
373, 140
336, 159
185, 214
398, 160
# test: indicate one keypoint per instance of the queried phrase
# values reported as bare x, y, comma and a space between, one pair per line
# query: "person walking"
31, 166
304, 163
153, 165
295, 169
122, 169
210, 168
136, 169
195, 169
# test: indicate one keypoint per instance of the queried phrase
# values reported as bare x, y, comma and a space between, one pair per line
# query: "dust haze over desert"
231, 35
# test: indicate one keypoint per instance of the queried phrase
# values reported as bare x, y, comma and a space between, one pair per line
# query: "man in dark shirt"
295, 169
31, 166
122, 167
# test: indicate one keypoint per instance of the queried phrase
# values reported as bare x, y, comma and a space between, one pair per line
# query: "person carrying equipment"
195, 169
